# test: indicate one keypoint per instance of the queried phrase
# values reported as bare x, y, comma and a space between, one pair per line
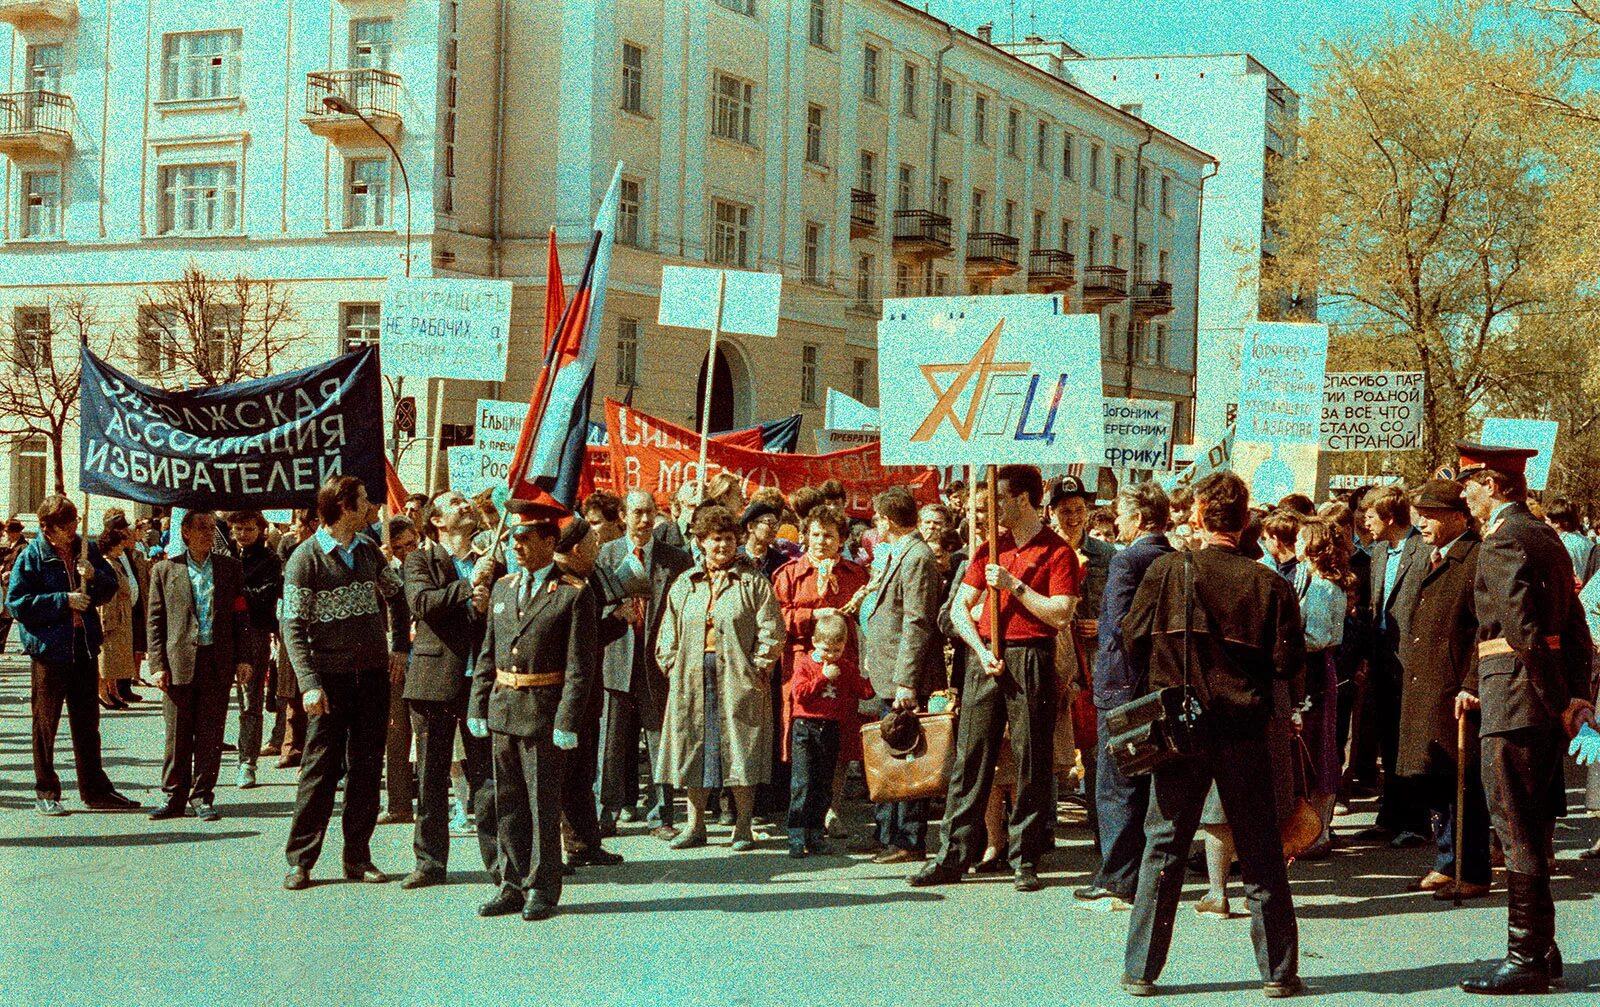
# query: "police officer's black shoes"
1286, 988
537, 909
935, 873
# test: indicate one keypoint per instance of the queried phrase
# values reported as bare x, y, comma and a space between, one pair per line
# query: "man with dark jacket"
1142, 521
529, 684
904, 653
635, 689
1438, 634
10, 549
335, 632
199, 636
449, 612
1228, 629
263, 586
56, 584
1533, 685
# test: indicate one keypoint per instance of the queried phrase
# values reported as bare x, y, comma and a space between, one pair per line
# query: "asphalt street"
111, 909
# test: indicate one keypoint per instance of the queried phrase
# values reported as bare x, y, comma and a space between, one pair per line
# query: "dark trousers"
435, 726
901, 824
1402, 806
619, 752
399, 780
1177, 794
5, 632
1519, 768
252, 696
1121, 803
527, 775
772, 798
195, 714
581, 766
346, 741
1023, 697
78, 686
1473, 844
813, 753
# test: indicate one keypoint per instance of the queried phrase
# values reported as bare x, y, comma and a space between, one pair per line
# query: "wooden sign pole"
711, 372
997, 640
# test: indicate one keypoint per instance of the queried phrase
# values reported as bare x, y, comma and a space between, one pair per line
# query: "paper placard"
1138, 434
466, 465
1279, 431
1372, 411
1537, 434
439, 327
749, 302
989, 380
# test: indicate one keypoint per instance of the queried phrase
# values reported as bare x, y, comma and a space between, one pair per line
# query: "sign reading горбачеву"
1372, 411
260, 444
1278, 433
989, 380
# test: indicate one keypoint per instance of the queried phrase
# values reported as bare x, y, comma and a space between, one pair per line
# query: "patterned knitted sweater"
334, 619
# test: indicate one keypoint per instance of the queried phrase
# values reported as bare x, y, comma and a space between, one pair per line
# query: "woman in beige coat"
721, 635
116, 624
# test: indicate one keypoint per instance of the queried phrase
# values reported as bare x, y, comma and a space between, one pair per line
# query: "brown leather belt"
1498, 647
512, 680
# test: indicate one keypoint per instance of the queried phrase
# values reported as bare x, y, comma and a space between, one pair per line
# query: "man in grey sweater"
334, 628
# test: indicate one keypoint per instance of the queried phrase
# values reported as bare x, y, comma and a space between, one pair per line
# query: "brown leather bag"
911, 773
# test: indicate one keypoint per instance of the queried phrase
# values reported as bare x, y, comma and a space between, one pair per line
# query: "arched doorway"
732, 399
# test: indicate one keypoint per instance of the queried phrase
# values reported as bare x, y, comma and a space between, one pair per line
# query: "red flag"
396, 490
555, 297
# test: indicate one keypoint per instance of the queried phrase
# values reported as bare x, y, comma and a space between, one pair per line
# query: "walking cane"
1461, 794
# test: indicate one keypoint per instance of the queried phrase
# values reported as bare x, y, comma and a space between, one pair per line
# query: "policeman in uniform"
1532, 683
530, 684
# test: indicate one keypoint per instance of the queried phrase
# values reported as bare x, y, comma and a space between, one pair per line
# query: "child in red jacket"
826, 688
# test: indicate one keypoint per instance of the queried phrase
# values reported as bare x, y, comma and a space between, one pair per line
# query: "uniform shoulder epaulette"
573, 580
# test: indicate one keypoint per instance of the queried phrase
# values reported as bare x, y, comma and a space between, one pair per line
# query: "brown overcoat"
750, 639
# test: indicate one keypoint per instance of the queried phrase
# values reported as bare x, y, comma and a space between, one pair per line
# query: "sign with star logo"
989, 380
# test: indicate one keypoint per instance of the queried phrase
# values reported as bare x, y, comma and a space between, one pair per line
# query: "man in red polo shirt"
1038, 577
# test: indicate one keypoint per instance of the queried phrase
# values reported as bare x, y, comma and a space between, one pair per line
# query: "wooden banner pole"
997, 640
437, 447
711, 373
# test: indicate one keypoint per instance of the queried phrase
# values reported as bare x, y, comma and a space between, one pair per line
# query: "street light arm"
338, 103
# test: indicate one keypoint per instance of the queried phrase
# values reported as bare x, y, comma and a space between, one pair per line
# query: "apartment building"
1238, 110
864, 149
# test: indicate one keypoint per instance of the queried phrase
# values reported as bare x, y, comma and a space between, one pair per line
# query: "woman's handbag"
1302, 826
1158, 728
911, 767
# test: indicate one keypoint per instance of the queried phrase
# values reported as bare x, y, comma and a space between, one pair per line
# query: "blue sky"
1283, 34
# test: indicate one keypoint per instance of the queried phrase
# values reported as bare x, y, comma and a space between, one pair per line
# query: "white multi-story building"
1240, 112
862, 148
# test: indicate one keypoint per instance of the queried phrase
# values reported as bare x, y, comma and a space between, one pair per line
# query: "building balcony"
921, 234
1151, 298
35, 125
1050, 271
863, 213
991, 255
338, 100
25, 14
1103, 285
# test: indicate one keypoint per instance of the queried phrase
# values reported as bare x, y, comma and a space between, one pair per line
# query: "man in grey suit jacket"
198, 630
635, 689
904, 653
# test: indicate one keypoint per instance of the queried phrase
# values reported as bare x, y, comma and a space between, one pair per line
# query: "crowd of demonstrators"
542, 681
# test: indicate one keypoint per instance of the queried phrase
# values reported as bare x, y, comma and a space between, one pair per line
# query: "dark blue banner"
259, 445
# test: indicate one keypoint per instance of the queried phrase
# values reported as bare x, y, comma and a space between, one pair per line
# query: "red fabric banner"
651, 454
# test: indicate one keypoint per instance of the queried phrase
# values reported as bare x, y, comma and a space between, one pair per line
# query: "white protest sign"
1537, 434
842, 412
829, 441
1215, 458
466, 465
1138, 434
1347, 481
749, 301
499, 424
989, 380
438, 327
1278, 432
1372, 411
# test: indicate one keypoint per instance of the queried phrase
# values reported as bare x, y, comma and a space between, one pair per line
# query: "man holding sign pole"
1036, 576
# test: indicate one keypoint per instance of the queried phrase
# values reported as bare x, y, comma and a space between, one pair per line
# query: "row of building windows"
203, 199
734, 109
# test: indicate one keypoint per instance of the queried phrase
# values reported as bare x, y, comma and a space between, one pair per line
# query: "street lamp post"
343, 106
